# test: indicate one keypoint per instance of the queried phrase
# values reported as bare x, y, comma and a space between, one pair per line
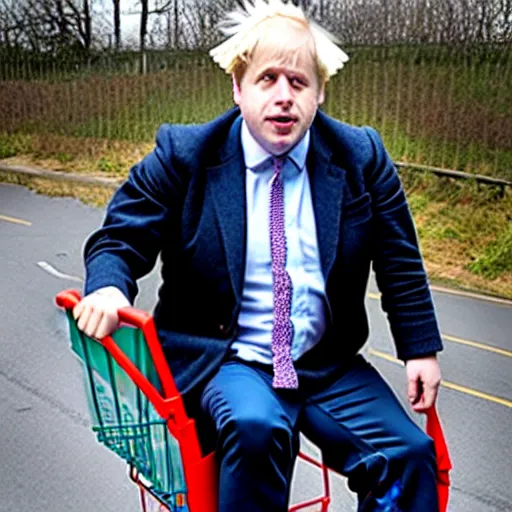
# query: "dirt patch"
94, 196
84, 155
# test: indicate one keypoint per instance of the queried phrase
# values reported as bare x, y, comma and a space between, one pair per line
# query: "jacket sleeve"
126, 246
397, 261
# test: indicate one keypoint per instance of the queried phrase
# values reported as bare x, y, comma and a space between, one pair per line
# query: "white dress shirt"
308, 311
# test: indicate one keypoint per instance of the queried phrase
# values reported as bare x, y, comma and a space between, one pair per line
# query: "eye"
268, 77
297, 83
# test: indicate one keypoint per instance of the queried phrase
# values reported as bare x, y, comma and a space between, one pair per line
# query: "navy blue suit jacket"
186, 202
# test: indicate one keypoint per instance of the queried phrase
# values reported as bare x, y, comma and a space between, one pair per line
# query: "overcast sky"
129, 22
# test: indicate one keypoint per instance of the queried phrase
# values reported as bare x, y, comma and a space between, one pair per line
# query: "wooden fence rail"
450, 173
113, 183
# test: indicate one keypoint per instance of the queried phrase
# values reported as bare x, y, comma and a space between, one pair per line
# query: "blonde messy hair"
251, 25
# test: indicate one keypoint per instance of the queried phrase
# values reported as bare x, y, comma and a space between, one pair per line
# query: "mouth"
282, 122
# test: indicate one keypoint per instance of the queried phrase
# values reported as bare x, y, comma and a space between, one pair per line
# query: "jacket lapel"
226, 185
327, 184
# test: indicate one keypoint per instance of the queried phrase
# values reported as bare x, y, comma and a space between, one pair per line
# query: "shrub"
496, 257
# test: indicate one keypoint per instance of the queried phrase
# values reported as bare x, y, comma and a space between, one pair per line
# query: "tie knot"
278, 162
281, 165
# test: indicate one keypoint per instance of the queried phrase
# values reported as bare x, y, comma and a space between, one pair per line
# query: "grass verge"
79, 155
91, 195
464, 230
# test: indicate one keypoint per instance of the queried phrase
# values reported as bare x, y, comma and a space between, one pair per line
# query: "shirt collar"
255, 155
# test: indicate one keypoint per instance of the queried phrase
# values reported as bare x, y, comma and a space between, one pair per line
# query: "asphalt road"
50, 460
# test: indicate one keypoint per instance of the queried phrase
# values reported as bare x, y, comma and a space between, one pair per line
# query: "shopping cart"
138, 413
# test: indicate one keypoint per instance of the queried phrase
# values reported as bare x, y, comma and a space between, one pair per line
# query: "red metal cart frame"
201, 470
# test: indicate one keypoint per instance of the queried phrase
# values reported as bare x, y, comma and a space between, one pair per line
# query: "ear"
321, 94
237, 93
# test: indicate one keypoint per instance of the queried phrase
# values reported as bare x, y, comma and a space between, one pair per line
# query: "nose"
284, 95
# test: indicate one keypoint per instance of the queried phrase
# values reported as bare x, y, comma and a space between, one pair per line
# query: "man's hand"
96, 314
423, 379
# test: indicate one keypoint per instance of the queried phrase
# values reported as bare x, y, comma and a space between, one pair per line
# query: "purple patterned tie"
282, 330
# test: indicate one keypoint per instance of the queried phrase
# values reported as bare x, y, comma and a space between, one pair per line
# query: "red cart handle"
172, 403
170, 407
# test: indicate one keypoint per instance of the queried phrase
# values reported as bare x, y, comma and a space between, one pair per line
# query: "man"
267, 220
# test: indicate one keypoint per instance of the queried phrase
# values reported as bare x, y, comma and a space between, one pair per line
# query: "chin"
279, 149
283, 145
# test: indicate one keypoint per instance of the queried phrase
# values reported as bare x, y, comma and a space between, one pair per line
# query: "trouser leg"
257, 440
365, 433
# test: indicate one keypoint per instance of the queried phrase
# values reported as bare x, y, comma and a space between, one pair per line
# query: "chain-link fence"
442, 105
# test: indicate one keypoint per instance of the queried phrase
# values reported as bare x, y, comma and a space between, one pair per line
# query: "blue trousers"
356, 420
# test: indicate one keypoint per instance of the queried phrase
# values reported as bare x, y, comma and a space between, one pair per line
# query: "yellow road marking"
449, 385
385, 356
15, 221
478, 394
455, 339
474, 344
472, 295
460, 293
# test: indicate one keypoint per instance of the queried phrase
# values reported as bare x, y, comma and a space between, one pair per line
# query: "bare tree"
201, 20
78, 17
157, 7
117, 24
54, 26
47, 25
166, 28
11, 25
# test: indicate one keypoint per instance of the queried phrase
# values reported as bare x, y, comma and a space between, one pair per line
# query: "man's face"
278, 98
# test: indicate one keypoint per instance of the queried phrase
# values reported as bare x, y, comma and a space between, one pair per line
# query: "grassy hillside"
465, 231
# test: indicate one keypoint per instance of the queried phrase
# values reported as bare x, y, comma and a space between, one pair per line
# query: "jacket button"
223, 329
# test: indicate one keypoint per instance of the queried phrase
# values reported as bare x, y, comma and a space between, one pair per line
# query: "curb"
60, 176
114, 184
467, 294
472, 295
